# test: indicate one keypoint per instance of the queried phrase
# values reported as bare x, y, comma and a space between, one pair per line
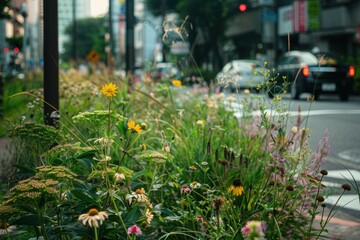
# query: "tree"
90, 35
209, 19
4, 4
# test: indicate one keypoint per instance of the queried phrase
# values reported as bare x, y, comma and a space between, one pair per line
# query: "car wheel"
295, 91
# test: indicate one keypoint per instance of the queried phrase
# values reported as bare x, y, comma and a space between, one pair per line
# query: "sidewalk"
342, 226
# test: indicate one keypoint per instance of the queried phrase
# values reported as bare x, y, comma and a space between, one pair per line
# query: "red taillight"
306, 71
351, 71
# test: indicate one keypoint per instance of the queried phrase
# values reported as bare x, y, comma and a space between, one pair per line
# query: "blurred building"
68, 12
272, 27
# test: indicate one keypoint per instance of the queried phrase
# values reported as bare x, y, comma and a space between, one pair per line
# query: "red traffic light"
16, 50
6, 49
242, 7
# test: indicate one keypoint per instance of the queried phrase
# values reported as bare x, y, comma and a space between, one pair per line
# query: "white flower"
149, 216
138, 196
195, 185
6, 228
119, 177
93, 217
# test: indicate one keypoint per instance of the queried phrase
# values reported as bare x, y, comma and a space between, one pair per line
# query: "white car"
241, 74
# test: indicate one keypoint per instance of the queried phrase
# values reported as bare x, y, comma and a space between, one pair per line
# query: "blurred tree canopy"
3, 5
90, 35
209, 21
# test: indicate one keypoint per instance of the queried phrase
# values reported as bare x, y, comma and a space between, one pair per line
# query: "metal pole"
51, 62
130, 49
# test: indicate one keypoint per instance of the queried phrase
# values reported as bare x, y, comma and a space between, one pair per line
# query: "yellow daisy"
109, 90
236, 187
134, 127
176, 83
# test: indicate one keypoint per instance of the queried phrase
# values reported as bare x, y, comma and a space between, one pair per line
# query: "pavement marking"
331, 184
350, 201
350, 174
238, 107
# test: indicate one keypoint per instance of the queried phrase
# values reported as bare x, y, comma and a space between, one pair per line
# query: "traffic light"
16, 50
6, 49
242, 7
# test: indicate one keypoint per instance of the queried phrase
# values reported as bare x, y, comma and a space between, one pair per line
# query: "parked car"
317, 74
241, 74
165, 71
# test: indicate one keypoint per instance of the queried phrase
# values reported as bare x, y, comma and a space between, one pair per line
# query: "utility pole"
51, 63
130, 49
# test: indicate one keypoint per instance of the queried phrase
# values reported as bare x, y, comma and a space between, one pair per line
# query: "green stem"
96, 233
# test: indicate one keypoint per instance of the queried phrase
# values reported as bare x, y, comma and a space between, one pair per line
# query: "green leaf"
132, 216
81, 195
28, 220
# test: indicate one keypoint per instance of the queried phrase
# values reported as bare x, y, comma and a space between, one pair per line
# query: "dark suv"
305, 72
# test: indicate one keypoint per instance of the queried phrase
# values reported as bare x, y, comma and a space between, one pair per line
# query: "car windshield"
243, 64
309, 59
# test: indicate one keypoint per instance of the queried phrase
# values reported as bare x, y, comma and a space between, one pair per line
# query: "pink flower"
134, 230
185, 189
246, 230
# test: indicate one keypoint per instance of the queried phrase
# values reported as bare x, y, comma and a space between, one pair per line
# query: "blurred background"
202, 33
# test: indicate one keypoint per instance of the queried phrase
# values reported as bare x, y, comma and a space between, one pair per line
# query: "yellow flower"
135, 128
93, 217
236, 187
109, 90
176, 83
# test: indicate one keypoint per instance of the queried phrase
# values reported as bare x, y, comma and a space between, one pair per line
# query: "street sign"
93, 56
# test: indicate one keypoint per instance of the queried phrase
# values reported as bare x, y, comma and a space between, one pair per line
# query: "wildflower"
346, 187
290, 188
93, 217
200, 122
138, 196
6, 228
320, 198
119, 177
236, 187
199, 218
149, 216
185, 189
231, 98
218, 203
278, 98
134, 230
109, 90
176, 83
324, 172
195, 184
246, 91
192, 168
294, 129
134, 128
254, 230
204, 163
